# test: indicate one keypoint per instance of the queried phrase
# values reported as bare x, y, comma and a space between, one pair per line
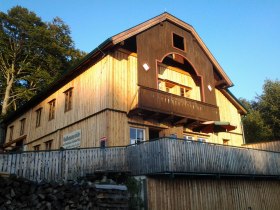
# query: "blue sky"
244, 36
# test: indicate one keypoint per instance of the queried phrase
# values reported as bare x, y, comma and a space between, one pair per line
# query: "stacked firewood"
19, 193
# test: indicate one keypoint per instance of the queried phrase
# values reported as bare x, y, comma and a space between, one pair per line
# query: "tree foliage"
33, 53
262, 123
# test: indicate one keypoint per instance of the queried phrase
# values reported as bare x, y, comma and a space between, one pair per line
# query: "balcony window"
136, 135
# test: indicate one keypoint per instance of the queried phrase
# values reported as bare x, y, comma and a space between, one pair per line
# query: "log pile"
19, 193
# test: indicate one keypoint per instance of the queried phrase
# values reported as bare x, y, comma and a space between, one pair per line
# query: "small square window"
178, 42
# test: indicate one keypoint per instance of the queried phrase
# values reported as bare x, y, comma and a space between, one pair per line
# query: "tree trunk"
7, 96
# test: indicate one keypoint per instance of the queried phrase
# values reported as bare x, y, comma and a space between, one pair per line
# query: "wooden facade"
110, 92
157, 80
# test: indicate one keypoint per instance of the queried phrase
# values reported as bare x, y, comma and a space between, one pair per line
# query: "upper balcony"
163, 106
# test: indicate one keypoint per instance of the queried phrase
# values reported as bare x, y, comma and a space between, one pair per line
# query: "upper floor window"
68, 99
178, 42
52, 109
48, 145
38, 117
11, 132
136, 135
22, 126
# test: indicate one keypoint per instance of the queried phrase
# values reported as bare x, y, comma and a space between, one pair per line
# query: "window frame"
11, 130
68, 103
175, 42
48, 145
22, 126
52, 109
136, 140
37, 147
38, 117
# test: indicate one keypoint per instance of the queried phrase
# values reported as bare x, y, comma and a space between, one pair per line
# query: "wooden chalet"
157, 80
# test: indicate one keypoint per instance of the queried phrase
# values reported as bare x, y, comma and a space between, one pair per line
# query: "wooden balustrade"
155, 157
163, 102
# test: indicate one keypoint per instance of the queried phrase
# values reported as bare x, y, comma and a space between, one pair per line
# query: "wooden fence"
270, 145
181, 156
154, 157
63, 164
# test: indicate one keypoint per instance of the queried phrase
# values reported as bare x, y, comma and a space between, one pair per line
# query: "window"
136, 135
178, 42
173, 135
52, 109
68, 99
38, 117
37, 147
188, 137
182, 91
200, 139
22, 126
48, 145
11, 133
225, 141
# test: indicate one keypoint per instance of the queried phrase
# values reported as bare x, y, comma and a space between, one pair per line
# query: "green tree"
33, 54
269, 106
262, 123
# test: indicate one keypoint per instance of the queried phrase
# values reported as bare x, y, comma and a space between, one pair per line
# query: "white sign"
72, 140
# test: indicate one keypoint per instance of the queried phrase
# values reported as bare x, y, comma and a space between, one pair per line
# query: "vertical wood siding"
212, 194
271, 146
182, 79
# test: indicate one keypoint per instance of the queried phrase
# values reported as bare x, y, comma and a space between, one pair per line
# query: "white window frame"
135, 141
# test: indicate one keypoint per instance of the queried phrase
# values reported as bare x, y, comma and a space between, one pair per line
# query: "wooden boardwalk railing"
155, 157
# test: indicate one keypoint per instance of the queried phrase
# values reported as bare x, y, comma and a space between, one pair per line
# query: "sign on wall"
72, 140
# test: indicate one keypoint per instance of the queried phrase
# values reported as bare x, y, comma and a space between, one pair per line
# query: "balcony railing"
163, 102
181, 156
149, 158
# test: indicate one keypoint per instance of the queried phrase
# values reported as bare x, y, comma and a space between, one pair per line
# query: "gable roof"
108, 44
168, 17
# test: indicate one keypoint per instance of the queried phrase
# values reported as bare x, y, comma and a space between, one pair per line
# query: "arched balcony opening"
177, 76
